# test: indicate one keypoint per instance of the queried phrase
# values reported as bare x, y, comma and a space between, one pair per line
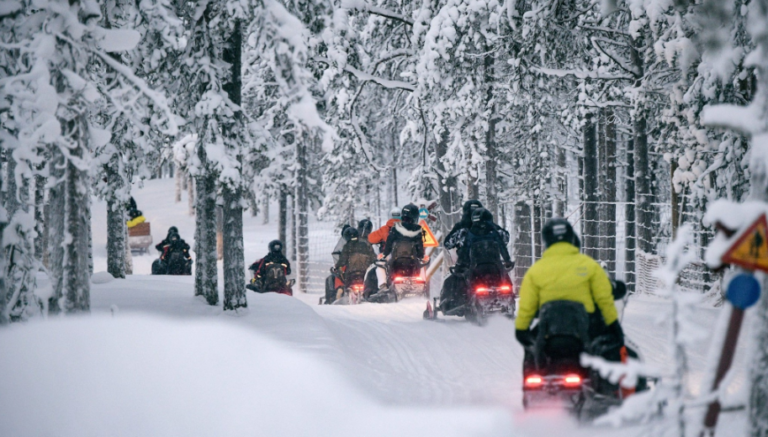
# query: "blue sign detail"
743, 291
423, 213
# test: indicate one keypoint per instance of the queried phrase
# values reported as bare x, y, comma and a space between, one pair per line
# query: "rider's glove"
509, 265
615, 331
524, 337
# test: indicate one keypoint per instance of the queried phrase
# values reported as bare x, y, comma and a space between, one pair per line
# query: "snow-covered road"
387, 350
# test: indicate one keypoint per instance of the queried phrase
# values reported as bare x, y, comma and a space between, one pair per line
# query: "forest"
630, 118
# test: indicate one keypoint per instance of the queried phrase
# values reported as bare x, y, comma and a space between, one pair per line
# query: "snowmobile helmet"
410, 214
470, 206
173, 230
558, 230
275, 246
174, 237
395, 213
351, 234
344, 229
481, 215
364, 227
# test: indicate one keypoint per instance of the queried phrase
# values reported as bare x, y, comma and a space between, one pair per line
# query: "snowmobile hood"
405, 232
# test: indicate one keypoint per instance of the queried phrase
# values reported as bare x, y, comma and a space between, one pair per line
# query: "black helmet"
364, 227
410, 213
173, 230
558, 230
275, 246
344, 230
469, 207
481, 215
351, 234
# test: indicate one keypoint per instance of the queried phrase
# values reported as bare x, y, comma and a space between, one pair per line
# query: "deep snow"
381, 367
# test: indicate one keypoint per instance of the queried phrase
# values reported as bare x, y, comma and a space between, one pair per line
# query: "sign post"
743, 292
750, 251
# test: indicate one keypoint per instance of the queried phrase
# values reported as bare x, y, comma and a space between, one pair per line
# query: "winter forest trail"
386, 350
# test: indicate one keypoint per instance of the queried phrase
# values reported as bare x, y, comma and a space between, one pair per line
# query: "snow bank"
101, 278
138, 375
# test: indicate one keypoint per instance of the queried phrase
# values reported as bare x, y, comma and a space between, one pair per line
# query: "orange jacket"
380, 235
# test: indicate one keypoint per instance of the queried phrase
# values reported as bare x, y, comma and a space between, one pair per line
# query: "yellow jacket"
563, 273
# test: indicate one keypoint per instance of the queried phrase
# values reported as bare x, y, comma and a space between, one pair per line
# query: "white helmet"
395, 213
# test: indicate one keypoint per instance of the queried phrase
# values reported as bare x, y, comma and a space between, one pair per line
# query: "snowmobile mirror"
619, 290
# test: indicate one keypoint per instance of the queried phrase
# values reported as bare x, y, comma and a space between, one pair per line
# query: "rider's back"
563, 273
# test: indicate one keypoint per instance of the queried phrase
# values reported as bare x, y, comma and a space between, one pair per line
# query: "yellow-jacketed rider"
563, 273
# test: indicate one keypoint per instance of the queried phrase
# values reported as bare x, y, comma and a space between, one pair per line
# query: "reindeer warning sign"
428, 236
750, 250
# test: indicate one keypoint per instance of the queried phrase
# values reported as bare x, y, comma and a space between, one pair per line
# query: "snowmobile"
405, 278
272, 281
488, 290
351, 293
173, 262
555, 377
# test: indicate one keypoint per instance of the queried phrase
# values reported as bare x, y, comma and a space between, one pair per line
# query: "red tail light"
572, 380
357, 287
534, 381
481, 290
506, 289
398, 279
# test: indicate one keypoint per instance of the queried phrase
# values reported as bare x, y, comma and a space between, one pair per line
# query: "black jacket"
271, 257
353, 247
167, 246
406, 232
487, 231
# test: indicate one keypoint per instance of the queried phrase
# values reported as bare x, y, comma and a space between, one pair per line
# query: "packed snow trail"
387, 350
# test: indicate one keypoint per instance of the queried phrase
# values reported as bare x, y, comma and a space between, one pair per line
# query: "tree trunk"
630, 229
115, 222
128, 255
190, 194
302, 204
294, 221
57, 214
265, 212
77, 284
283, 220
234, 258
447, 186
3, 288
473, 191
537, 215
608, 211
590, 219
206, 274
490, 136
523, 247
219, 233
179, 183
562, 183
42, 231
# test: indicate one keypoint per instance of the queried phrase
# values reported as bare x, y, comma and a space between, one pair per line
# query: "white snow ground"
154, 360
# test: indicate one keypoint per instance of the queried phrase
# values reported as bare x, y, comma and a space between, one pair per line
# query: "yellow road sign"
751, 248
428, 236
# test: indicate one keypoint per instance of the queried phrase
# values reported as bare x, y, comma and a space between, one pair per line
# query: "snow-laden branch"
582, 74
362, 6
743, 119
386, 83
136, 81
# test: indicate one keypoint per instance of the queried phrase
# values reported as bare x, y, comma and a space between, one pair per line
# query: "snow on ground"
362, 370
149, 376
